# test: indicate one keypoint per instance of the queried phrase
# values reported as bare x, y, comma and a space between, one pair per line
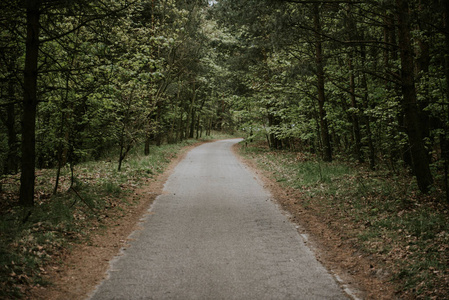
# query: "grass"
30, 239
407, 232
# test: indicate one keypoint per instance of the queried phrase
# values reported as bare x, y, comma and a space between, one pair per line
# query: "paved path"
215, 234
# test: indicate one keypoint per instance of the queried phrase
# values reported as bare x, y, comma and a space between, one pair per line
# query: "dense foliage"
366, 80
81, 77
361, 81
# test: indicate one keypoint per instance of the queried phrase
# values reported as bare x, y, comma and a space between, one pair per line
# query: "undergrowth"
33, 240
383, 212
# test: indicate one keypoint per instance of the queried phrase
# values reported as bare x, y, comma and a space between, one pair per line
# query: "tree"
33, 12
357, 61
325, 139
409, 102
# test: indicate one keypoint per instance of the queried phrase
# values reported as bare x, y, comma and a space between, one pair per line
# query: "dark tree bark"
444, 139
420, 161
354, 115
192, 125
274, 141
324, 128
190, 122
146, 149
366, 105
125, 142
198, 119
27, 177
422, 67
352, 35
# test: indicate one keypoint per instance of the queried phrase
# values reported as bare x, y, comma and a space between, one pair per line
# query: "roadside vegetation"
33, 240
364, 82
381, 213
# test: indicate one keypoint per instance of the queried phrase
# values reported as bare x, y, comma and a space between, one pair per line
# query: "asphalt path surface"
215, 234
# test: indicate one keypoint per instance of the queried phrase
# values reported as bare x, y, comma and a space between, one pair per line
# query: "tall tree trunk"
390, 54
198, 127
191, 115
369, 134
274, 141
444, 138
198, 119
146, 149
64, 132
324, 128
366, 106
59, 155
422, 67
352, 34
355, 113
30, 104
209, 126
420, 161
124, 141
192, 125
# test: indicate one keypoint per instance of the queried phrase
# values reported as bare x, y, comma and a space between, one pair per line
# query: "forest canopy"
365, 81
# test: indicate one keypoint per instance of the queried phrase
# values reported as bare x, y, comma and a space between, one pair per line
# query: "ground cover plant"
380, 213
34, 240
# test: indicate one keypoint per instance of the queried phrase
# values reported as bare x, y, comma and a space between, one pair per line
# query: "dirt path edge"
355, 272
85, 266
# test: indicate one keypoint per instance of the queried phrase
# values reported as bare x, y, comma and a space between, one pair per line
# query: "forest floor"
354, 271
369, 265
85, 266
62, 250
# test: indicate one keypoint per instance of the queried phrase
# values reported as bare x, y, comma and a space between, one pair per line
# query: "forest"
364, 80
360, 81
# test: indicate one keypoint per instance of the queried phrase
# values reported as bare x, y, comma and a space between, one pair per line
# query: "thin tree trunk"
209, 127
125, 145
27, 178
352, 34
197, 135
275, 143
199, 118
60, 151
146, 150
444, 138
367, 119
420, 161
422, 67
324, 128
355, 114
63, 144
190, 115
390, 54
